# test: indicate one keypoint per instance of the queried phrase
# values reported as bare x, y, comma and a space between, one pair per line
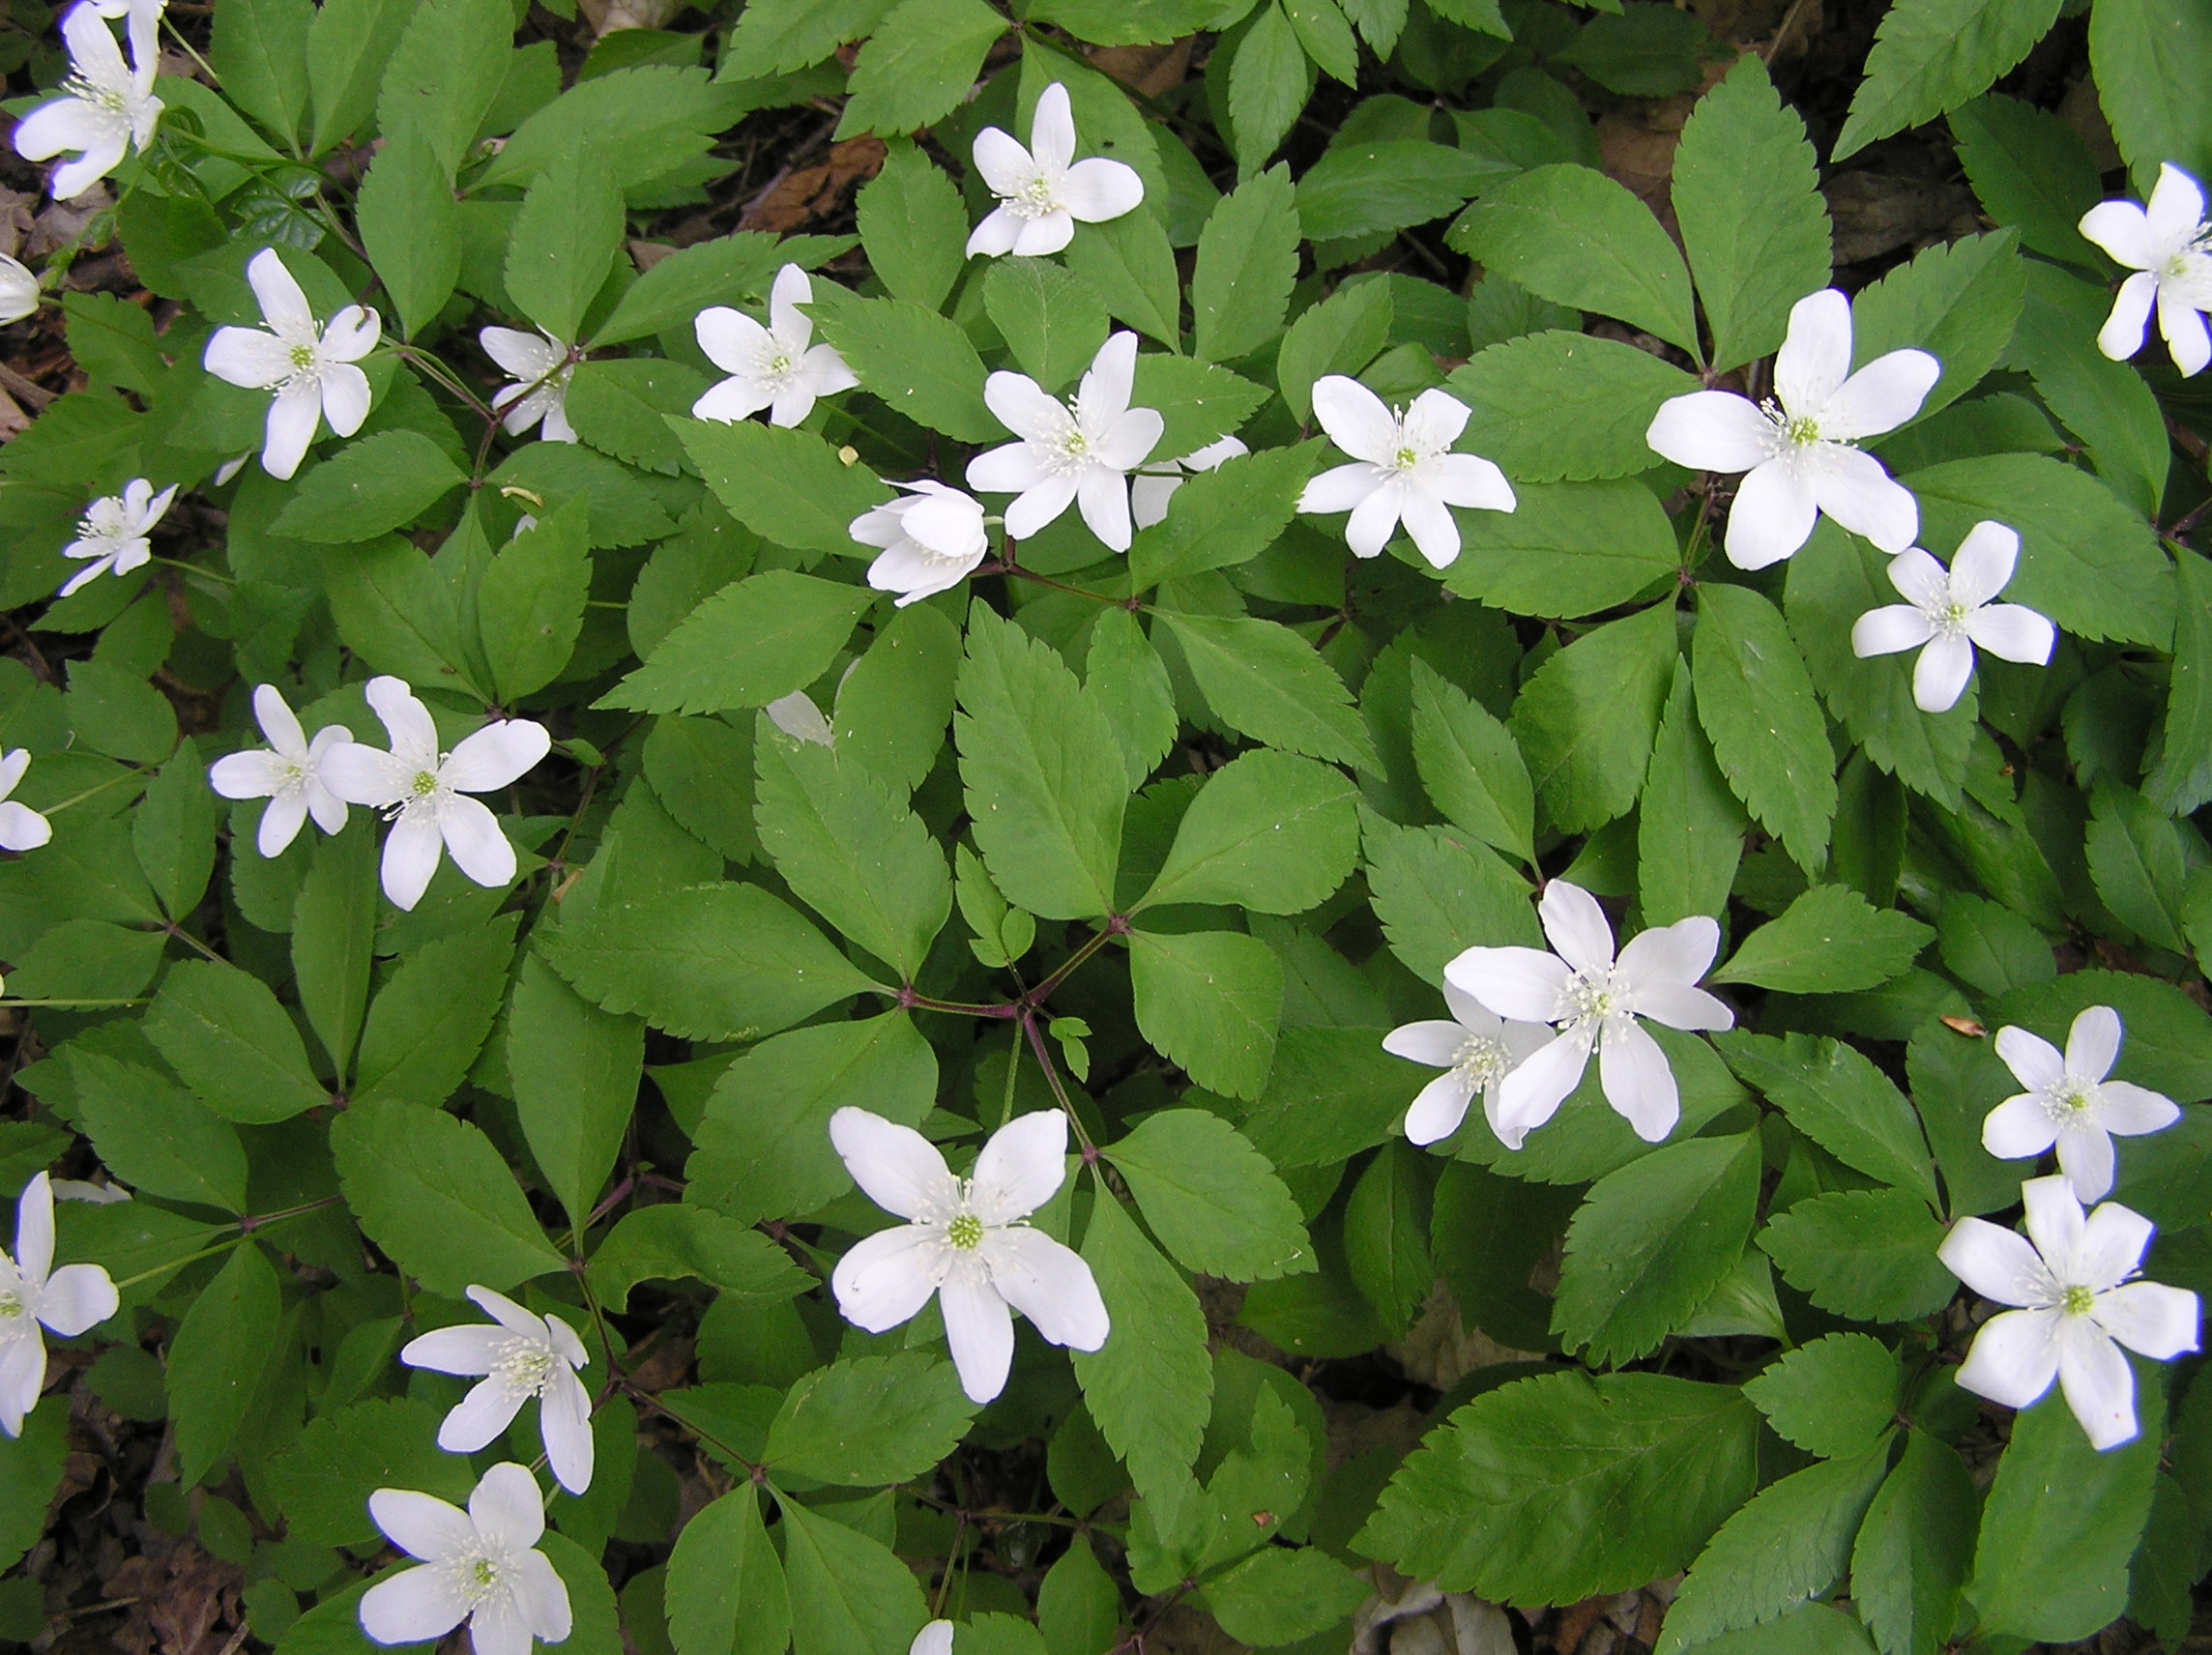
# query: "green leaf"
1866, 1254
113, 342
432, 1015
1577, 238
786, 487
1757, 705
756, 640
2140, 863
1279, 1596
2181, 781
31, 1467
2031, 171
2086, 560
369, 488
1050, 318
913, 359
1045, 779
644, 120
850, 1594
443, 74
1564, 407
782, 37
856, 855
1831, 940
725, 1586
1746, 191
1913, 1549
1587, 719
410, 227
1651, 1243
2051, 1569
216, 1359
156, 1136
1988, 947
878, 1420
2103, 403
173, 831
1247, 259
1832, 1093
1266, 681
764, 1147
564, 241
1567, 549
677, 1239
712, 962
1639, 50
1470, 766
1269, 80
913, 223
1341, 334
223, 1032
2169, 1038
437, 1196
1130, 266
1211, 1199
530, 600
2154, 58
1222, 517
1957, 301
1197, 401
1931, 55
334, 930
1788, 1545
1556, 1489
1387, 1222
623, 408
1689, 828
1357, 188
323, 1478
1836, 1397
917, 65
259, 49
1210, 1000
396, 611
1268, 831
348, 44
707, 272
1149, 1387
575, 1070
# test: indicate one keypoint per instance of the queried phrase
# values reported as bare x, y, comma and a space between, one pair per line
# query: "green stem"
247, 1228
101, 786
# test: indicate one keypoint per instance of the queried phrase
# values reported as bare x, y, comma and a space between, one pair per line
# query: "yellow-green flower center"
2078, 1301
1801, 429
965, 1232
303, 358
424, 784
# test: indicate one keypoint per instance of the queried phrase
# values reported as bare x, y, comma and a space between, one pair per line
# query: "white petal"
421, 1525
1576, 927
1638, 1081
1104, 498
294, 414
1439, 1108
1470, 1013
1040, 506
102, 157
1022, 406
1356, 419
2015, 1357
1771, 518
1815, 356
2129, 1111
527, 356
1524, 984
2184, 331
2056, 1224
472, 1422
1996, 1262
496, 755
2159, 1322
996, 235
247, 357
1340, 488
2123, 230
1375, 519
496, 1627
1020, 1167
1532, 1093
1430, 524
284, 306
22, 829
935, 1639
65, 123
1681, 1007
1940, 676
2085, 1158
1097, 189
1129, 440
358, 774
507, 1313
979, 1330
281, 823
506, 1507
2093, 1042
414, 733
13, 765
345, 397
1470, 480
2113, 1241
76, 1298
732, 399
541, 1598
2034, 1061
413, 1606
2176, 210
884, 1279
790, 404
1920, 579
1680, 954
22, 1378
1149, 497
468, 1348
35, 1230
1052, 129
822, 372
2122, 335
278, 723
1434, 421
1880, 396
1049, 1283
1983, 564
565, 1419
1005, 165
1434, 1042
898, 1168
1853, 489
2099, 1386
1889, 630
732, 340
1011, 468
1104, 392
791, 288
2019, 1128
411, 852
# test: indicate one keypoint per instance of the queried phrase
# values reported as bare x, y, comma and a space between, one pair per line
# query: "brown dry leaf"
813, 192
1877, 213
1148, 70
1439, 1351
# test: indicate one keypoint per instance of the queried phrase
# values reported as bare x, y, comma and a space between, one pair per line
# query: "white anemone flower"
932, 540
965, 1242
935, 1639
19, 290
142, 24
2170, 248
1799, 449
480, 1565
1075, 453
520, 1358
1477, 1050
33, 1295
2076, 1306
424, 792
778, 367
21, 828
105, 110
310, 370
1155, 483
2069, 1102
1592, 999
288, 774
111, 539
1949, 612
1403, 470
541, 371
1043, 191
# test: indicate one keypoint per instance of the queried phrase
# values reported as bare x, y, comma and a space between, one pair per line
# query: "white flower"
1079, 452
424, 791
288, 774
2069, 1103
1405, 470
1950, 612
33, 1293
1040, 194
105, 110
311, 373
523, 1356
935, 1639
541, 370
1799, 449
19, 290
2170, 248
1594, 1000
21, 828
932, 540
1477, 1050
142, 24
778, 367
480, 1565
2074, 1300
113, 532
962, 1240
797, 717
1154, 485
